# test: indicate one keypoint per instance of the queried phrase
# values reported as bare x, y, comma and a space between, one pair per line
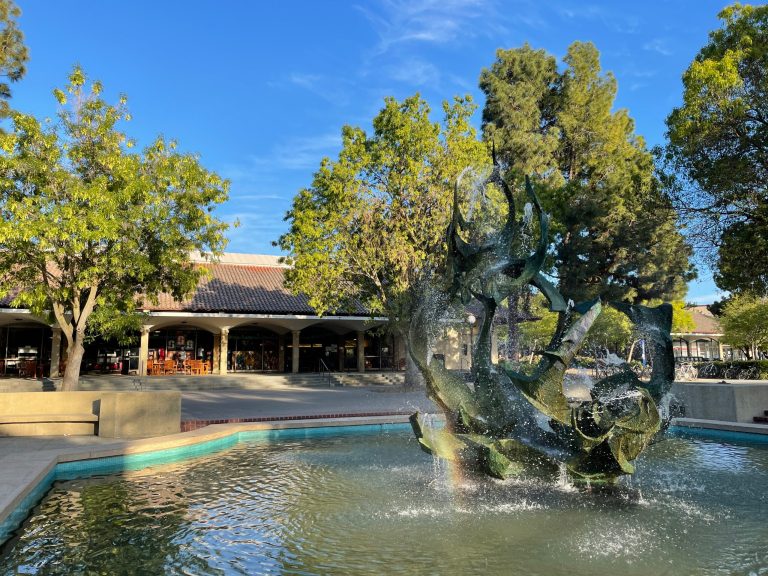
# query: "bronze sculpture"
494, 422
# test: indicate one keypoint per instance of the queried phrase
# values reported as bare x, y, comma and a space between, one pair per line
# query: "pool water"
378, 505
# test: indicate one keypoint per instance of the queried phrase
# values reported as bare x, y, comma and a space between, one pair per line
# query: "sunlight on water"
378, 505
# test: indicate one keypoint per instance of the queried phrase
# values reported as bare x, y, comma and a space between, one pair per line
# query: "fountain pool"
374, 504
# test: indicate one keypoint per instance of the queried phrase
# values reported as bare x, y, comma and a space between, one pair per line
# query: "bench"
49, 424
36, 418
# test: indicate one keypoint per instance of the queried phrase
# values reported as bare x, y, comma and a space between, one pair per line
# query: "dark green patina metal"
493, 422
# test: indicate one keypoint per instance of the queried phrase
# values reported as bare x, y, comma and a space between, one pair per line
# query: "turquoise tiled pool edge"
74, 467
225, 436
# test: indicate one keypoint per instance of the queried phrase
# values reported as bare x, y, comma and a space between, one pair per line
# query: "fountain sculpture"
502, 421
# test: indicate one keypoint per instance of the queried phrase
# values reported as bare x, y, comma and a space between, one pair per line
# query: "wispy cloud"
332, 89
659, 45
430, 21
615, 19
416, 72
257, 230
293, 154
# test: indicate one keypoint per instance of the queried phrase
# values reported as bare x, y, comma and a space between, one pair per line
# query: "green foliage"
13, 55
745, 324
537, 334
612, 330
615, 232
682, 319
373, 223
89, 225
718, 146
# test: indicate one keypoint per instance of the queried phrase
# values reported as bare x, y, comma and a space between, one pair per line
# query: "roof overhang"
281, 323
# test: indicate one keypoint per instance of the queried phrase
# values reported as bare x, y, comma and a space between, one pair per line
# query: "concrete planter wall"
726, 402
106, 414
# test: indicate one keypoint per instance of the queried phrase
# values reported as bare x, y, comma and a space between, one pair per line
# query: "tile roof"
705, 321
236, 288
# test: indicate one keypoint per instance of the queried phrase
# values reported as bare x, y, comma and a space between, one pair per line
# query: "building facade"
706, 339
241, 318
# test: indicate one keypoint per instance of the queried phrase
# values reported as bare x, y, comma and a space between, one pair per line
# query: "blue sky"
260, 90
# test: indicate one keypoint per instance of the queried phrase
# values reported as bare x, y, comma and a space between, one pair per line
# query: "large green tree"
373, 222
745, 324
13, 52
615, 233
90, 226
717, 154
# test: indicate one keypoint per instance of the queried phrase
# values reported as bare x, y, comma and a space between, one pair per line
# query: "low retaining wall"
106, 414
723, 402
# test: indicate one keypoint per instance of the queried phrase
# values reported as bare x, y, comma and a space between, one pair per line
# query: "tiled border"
132, 455
189, 425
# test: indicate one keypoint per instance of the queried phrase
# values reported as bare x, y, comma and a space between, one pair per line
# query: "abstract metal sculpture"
504, 422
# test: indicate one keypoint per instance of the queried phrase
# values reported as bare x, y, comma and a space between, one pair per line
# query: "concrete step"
369, 378
212, 381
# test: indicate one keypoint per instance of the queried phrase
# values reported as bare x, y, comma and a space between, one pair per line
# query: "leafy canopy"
745, 324
614, 232
717, 154
89, 225
373, 222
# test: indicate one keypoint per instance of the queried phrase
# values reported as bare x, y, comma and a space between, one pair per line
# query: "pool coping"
746, 427
39, 470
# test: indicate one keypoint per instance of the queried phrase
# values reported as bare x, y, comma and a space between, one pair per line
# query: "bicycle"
708, 370
685, 371
750, 373
732, 373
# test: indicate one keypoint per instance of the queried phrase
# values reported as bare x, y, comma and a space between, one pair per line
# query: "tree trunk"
513, 326
631, 351
75, 351
413, 377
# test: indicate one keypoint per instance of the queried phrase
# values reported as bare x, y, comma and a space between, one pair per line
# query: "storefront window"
252, 350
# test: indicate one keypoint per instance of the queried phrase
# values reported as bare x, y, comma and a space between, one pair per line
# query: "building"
240, 318
705, 341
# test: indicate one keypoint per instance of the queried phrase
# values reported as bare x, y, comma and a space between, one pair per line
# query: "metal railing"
325, 372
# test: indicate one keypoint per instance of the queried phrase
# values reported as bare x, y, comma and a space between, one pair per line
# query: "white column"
223, 350
281, 353
295, 351
144, 350
360, 351
55, 351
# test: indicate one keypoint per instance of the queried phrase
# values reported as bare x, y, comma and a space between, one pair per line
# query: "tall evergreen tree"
13, 52
615, 234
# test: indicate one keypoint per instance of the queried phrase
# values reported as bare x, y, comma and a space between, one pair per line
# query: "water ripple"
346, 506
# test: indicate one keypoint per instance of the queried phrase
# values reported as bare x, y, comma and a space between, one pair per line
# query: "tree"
716, 159
536, 334
90, 227
373, 222
615, 232
682, 319
13, 55
745, 324
612, 331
